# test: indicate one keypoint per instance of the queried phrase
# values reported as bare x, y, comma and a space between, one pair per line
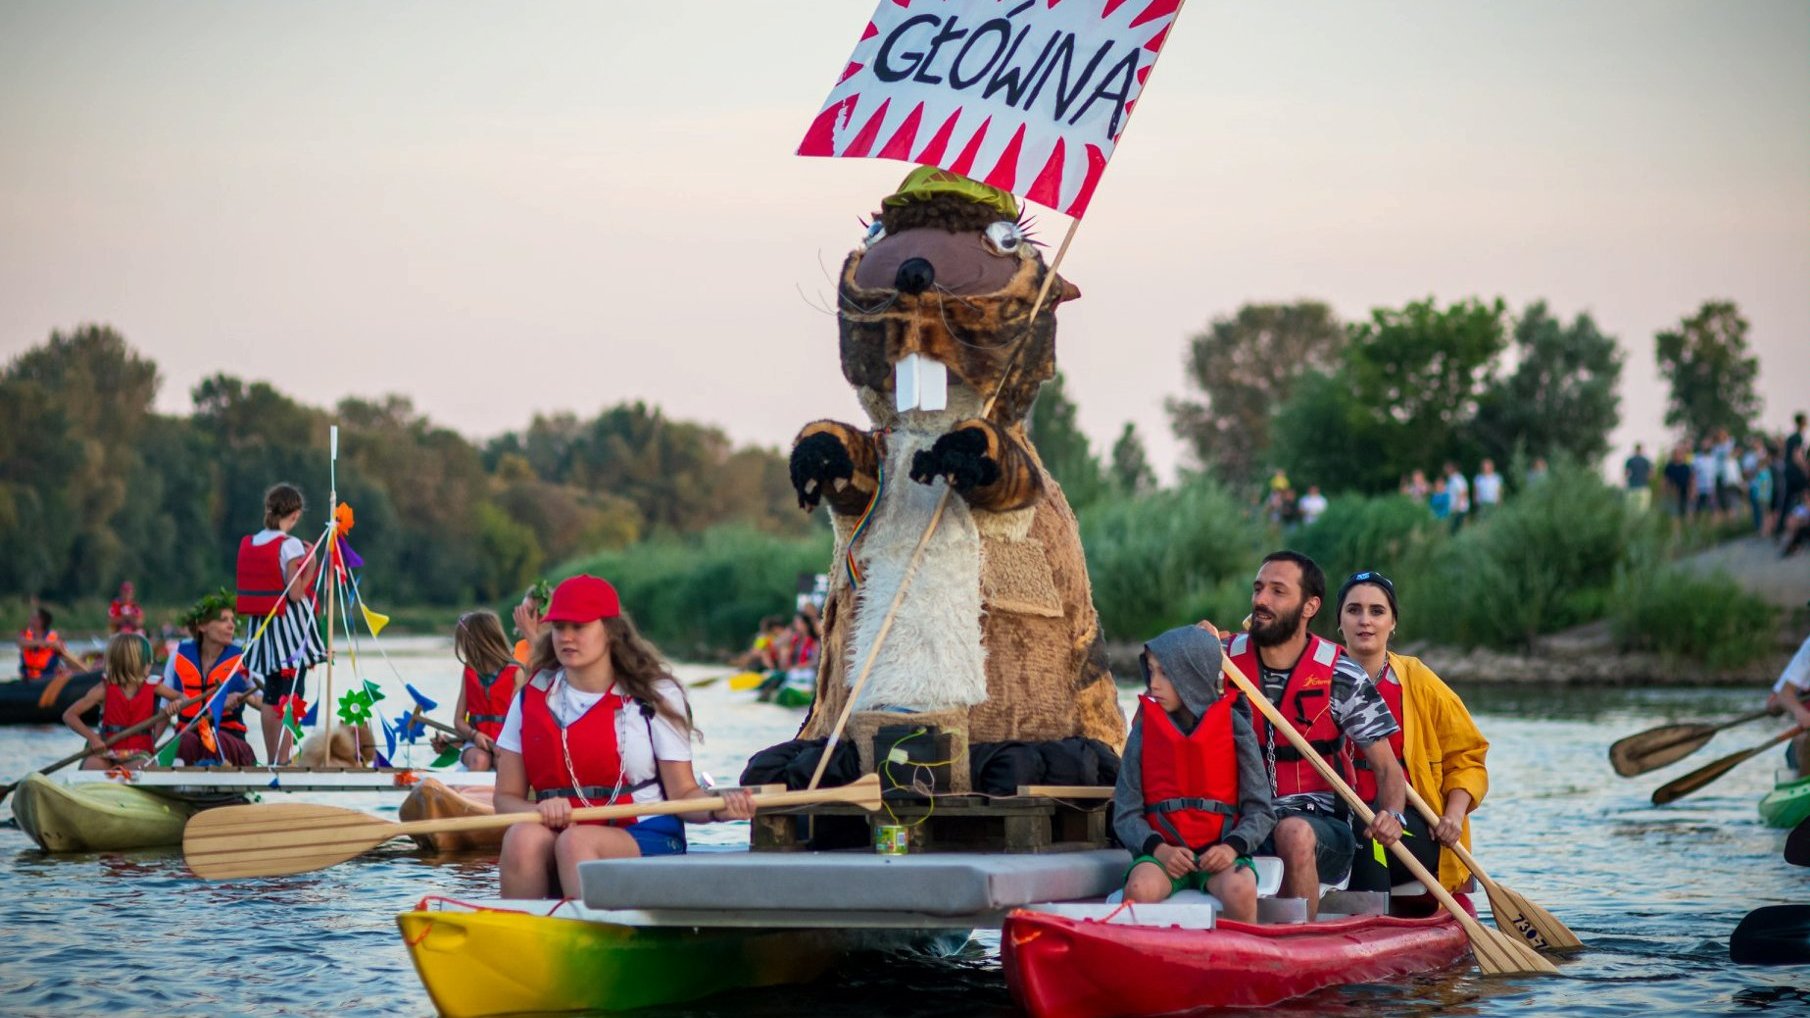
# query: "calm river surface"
1652, 892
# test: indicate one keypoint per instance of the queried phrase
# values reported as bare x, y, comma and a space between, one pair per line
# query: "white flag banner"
1029, 96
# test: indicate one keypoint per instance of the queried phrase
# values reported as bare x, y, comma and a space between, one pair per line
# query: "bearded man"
1329, 700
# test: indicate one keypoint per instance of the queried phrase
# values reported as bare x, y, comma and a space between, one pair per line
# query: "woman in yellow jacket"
1439, 745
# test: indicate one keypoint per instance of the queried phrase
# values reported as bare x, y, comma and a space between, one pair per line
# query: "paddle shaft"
638, 809
1705, 732
1697, 779
89, 751
936, 518
438, 726
1344, 791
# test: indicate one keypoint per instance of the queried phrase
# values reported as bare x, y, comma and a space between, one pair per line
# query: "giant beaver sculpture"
996, 639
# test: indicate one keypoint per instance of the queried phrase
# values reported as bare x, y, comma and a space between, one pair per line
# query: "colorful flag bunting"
374, 621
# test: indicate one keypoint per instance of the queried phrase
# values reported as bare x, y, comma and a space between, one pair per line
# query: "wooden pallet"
945, 823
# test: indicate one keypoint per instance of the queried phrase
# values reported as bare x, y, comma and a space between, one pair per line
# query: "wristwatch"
1399, 817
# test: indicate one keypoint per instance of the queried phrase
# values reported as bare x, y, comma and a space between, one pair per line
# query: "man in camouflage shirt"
1313, 834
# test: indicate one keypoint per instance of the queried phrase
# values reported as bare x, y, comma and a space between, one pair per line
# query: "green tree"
1130, 470
1711, 374
1245, 367
1561, 399
1063, 447
1404, 396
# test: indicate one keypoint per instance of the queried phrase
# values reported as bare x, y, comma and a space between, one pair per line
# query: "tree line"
97, 486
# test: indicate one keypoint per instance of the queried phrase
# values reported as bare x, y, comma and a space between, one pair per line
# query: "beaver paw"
818, 461
961, 457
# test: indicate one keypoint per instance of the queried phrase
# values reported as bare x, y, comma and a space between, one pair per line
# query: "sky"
502, 209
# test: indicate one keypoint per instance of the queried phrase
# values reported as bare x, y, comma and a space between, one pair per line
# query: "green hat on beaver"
927, 181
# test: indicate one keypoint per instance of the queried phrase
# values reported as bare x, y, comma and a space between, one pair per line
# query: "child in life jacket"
127, 697
1193, 799
492, 679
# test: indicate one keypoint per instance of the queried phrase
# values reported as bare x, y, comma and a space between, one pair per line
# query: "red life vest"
119, 712
1190, 781
187, 660
126, 616
1307, 705
487, 698
259, 578
1388, 684
593, 776
35, 661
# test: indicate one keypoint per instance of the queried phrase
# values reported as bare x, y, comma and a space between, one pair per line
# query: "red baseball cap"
583, 599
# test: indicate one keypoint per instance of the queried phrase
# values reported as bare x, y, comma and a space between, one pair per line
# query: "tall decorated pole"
1030, 98
332, 579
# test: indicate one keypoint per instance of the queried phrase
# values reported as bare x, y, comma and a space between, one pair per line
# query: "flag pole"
332, 581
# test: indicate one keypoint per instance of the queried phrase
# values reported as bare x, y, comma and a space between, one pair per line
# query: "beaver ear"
1065, 290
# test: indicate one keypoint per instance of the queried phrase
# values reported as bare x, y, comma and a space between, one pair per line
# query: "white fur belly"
932, 657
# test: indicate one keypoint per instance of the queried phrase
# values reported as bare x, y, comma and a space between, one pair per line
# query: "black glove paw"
818, 461
961, 457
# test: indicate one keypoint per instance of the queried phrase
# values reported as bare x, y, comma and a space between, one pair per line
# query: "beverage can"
892, 839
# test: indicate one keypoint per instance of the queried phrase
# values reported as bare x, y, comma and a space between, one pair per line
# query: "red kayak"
1061, 967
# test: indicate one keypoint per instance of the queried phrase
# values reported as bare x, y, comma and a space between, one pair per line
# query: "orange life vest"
1389, 685
120, 712
487, 698
35, 661
1190, 781
1306, 704
188, 671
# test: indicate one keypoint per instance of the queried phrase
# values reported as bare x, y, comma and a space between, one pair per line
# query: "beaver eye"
875, 230
1004, 237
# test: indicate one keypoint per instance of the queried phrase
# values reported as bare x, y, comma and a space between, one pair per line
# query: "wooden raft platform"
1038, 819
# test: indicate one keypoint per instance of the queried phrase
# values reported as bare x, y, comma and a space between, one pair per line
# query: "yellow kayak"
743, 681
98, 816
513, 957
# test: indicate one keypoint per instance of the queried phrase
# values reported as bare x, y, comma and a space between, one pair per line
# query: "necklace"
565, 747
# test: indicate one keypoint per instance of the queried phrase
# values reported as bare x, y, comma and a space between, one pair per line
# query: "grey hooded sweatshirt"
1190, 658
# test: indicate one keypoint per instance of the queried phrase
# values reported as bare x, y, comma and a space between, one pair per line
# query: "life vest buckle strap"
1200, 805
591, 791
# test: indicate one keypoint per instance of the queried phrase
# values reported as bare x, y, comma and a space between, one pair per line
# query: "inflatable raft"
1126, 961
20, 700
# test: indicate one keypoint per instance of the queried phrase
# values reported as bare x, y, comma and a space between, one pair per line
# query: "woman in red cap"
601, 722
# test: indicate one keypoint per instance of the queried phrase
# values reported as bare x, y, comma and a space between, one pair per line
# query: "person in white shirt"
1460, 491
1311, 504
1788, 696
602, 722
1486, 488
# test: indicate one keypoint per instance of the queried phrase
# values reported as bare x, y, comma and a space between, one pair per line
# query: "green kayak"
1787, 805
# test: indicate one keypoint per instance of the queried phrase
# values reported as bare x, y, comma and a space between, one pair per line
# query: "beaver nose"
914, 277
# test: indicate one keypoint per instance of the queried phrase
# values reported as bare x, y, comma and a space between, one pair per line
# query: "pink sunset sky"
503, 209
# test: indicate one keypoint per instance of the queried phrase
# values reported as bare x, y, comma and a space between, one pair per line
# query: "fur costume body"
998, 624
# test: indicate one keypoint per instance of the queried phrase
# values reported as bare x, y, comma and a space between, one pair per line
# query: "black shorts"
284, 683
1334, 844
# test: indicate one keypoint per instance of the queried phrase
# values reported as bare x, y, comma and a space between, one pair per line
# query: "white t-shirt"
293, 548
1311, 507
1488, 488
1797, 671
1460, 492
640, 740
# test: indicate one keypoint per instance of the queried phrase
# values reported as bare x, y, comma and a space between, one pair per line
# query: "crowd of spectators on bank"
1759, 480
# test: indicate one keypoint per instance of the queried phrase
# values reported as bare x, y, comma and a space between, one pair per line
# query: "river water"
1653, 892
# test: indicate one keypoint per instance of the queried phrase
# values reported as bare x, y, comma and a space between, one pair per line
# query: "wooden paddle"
278, 839
89, 751
1678, 788
1656, 747
1495, 954
1541, 930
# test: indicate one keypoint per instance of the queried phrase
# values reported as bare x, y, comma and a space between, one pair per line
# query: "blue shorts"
663, 835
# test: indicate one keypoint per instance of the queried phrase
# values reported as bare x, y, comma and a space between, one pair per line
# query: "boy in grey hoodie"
1173, 806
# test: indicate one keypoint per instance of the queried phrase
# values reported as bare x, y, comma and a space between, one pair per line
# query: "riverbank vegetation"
704, 537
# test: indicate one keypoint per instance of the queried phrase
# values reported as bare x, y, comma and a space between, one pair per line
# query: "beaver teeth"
920, 383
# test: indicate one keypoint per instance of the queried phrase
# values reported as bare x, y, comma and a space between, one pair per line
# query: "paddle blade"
1681, 787
1773, 935
1529, 921
1498, 955
1653, 749
277, 839
1797, 844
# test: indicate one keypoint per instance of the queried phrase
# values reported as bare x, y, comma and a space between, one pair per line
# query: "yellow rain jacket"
1442, 750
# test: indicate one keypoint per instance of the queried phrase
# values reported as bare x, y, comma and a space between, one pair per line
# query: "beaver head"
937, 300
